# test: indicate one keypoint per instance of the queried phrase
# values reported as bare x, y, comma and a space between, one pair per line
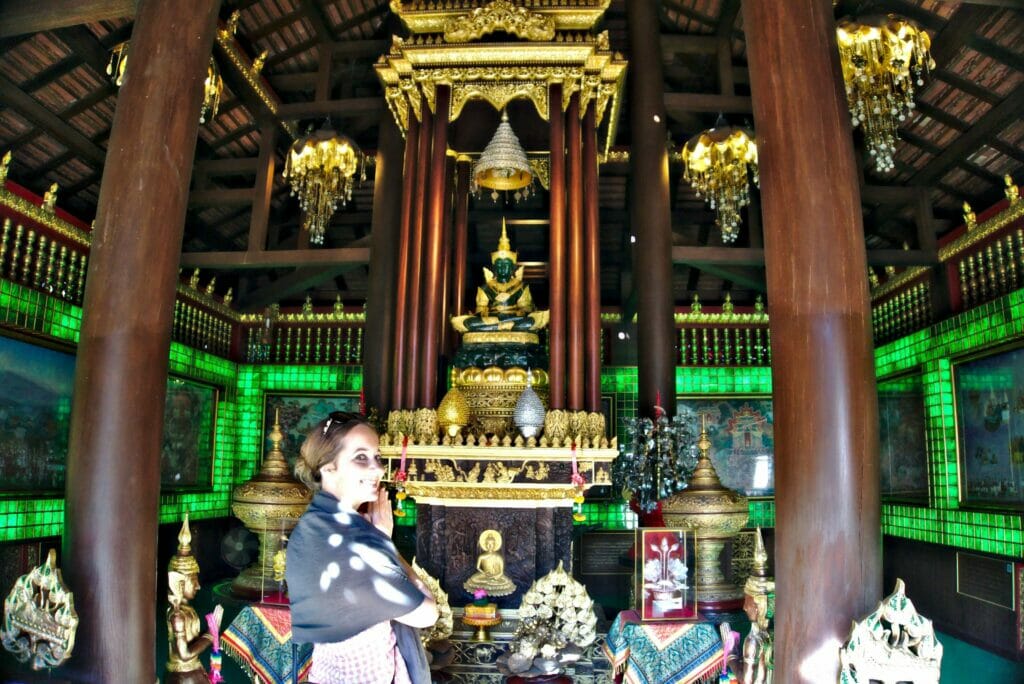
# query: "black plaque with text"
607, 553
985, 579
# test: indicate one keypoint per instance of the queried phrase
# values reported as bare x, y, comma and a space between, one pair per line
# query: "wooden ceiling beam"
275, 25
676, 103
221, 197
18, 17
343, 109
315, 16
296, 282
234, 166
290, 258
703, 257
15, 98
66, 114
984, 129
349, 24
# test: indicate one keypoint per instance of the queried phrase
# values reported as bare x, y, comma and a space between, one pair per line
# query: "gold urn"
270, 505
716, 514
492, 394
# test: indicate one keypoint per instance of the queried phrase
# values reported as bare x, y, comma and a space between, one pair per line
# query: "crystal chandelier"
716, 163
503, 165
321, 168
213, 86
882, 60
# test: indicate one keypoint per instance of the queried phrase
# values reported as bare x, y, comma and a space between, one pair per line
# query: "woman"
351, 594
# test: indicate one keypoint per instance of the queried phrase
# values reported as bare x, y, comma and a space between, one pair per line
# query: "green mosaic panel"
27, 309
607, 515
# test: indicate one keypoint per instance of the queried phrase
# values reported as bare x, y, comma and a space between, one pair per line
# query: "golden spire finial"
183, 561
970, 219
504, 246
5, 165
1012, 192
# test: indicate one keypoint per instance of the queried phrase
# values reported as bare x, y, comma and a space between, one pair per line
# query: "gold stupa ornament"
716, 513
453, 412
270, 505
39, 617
503, 165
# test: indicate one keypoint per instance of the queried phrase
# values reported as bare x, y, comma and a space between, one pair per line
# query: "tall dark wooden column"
448, 336
414, 332
379, 342
433, 260
113, 469
460, 231
403, 247
828, 534
650, 212
591, 263
574, 300
557, 251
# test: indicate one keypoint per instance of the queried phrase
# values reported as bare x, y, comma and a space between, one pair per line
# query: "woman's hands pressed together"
379, 513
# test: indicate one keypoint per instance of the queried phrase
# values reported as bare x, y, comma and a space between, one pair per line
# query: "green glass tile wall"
931, 352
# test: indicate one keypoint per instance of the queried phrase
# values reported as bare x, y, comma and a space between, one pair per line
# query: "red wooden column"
385, 235
398, 379
113, 468
448, 336
574, 301
460, 236
433, 259
591, 263
414, 333
650, 212
828, 533
556, 250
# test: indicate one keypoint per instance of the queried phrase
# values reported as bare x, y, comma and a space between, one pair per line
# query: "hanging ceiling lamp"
503, 165
321, 168
213, 86
716, 163
882, 60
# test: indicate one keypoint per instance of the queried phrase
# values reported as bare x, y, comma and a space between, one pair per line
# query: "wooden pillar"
460, 255
414, 333
433, 261
591, 262
385, 234
401, 310
113, 467
448, 336
828, 534
574, 300
650, 212
556, 250
260, 218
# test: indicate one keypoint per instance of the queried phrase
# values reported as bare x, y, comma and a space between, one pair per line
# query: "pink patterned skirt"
370, 657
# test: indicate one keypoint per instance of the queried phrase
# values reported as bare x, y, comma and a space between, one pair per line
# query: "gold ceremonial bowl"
492, 393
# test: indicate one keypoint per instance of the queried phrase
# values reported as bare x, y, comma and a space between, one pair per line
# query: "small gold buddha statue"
504, 302
757, 647
184, 637
490, 568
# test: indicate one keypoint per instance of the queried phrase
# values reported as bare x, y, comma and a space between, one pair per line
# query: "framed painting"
35, 416
190, 422
903, 439
742, 434
299, 412
989, 401
665, 574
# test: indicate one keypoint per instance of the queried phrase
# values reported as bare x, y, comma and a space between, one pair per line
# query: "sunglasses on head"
336, 418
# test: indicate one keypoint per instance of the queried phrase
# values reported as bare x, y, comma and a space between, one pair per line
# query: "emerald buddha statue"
504, 302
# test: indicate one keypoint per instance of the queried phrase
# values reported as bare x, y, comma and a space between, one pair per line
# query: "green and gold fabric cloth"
663, 652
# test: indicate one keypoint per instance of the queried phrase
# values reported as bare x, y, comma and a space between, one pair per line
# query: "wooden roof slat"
14, 97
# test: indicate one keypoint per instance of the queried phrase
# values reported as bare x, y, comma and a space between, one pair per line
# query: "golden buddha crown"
183, 561
504, 247
759, 583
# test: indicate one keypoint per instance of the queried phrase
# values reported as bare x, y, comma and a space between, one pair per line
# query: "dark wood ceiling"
57, 104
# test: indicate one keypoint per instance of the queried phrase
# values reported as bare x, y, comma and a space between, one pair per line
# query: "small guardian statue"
755, 666
490, 565
185, 640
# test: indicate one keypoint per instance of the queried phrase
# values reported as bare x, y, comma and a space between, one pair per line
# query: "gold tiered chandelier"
213, 86
718, 163
503, 165
882, 60
321, 168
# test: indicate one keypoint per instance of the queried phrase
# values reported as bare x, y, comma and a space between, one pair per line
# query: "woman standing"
351, 594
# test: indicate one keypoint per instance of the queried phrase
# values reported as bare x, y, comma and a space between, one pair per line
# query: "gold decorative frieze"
498, 73
44, 215
500, 15
434, 16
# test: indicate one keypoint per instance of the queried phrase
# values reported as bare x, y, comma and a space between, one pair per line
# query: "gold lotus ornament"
322, 168
39, 617
453, 412
718, 164
882, 60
